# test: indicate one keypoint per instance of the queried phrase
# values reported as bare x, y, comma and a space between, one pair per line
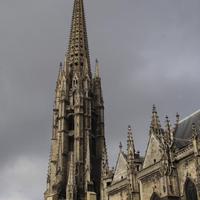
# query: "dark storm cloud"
148, 53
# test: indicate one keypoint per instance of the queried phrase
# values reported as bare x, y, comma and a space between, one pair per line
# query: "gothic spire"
78, 49
130, 144
155, 122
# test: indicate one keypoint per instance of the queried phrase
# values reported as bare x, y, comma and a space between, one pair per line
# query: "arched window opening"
190, 190
154, 196
71, 123
71, 143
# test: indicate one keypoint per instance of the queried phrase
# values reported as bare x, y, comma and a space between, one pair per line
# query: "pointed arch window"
71, 122
190, 190
154, 196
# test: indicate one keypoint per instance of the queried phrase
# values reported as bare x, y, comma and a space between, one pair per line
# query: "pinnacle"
130, 136
120, 146
155, 122
97, 69
130, 144
177, 117
168, 125
154, 109
129, 128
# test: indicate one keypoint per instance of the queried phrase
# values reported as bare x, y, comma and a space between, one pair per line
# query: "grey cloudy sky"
149, 52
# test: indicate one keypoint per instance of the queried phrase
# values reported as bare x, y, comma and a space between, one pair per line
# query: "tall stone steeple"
78, 142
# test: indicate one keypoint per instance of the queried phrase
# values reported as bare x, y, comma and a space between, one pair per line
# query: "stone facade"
78, 164
170, 168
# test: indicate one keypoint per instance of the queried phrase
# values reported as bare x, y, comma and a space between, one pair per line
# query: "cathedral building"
78, 143
78, 164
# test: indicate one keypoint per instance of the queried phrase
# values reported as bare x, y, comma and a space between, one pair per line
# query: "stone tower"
78, 142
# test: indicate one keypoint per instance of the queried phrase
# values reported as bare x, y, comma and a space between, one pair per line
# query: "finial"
154, 109
129, 136
97, 69
120, 146
129, 128
167, 118
177, 117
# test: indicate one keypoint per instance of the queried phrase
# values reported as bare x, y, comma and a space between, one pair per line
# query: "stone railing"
149, 170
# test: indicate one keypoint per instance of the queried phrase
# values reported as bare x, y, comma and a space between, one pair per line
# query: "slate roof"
184, 131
